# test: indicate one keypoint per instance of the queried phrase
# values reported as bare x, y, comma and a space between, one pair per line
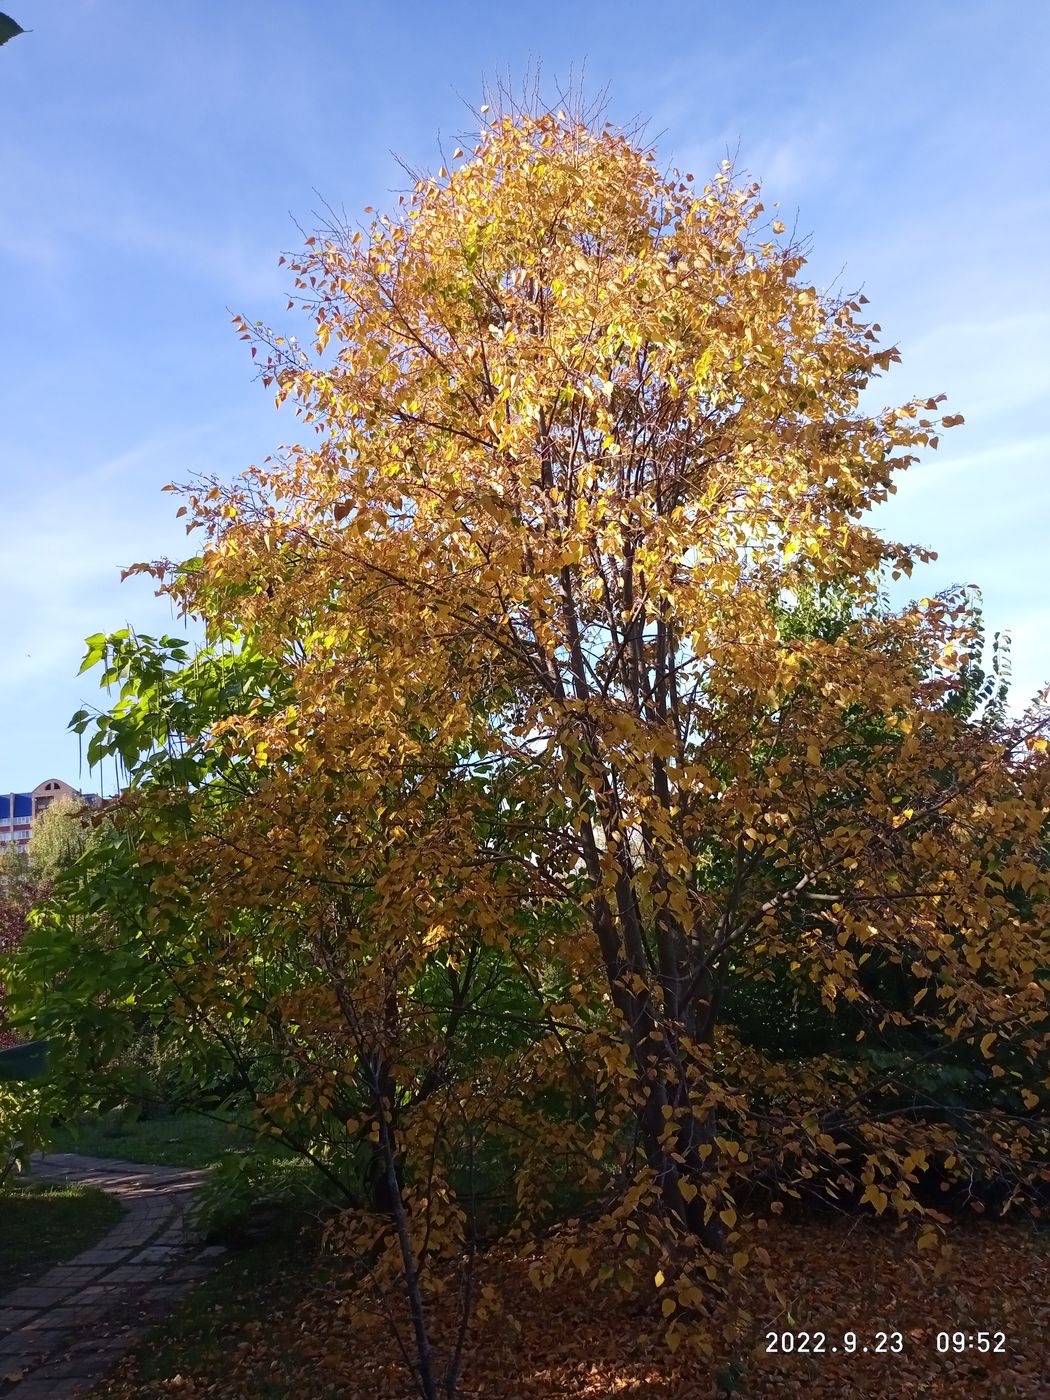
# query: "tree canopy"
59, 837
551, 700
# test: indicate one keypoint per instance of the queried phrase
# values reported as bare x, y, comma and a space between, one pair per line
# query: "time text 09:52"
817, 1343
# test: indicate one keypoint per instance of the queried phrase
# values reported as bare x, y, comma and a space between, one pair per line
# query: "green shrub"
250, 1195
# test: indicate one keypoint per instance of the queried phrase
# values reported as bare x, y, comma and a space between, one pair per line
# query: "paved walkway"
62, 1333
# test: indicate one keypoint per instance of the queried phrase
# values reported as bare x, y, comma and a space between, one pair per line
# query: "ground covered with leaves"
287, 1336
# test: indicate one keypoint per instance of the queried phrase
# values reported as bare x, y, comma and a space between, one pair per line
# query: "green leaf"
728, 1378
96, 650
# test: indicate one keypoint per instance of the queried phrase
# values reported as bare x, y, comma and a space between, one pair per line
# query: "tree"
583, 426
583, 433
24, 1112
18, 892
59, 837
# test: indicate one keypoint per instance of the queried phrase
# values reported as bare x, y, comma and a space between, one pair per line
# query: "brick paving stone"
12, 1318
43, 1341
81, 1315
104, 1256
11, 1345
47, 1390
61, 1370
47, 1321
75, 1274
37, 1296
134, 1273
100, 1340
134, 1242
159, 1253
169, 1290
100, 1292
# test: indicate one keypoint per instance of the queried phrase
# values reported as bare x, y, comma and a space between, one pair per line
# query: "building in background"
19, 810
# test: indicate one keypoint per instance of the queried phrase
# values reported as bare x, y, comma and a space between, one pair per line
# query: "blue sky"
155, 158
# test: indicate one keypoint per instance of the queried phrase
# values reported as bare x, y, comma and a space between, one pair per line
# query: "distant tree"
25, 1109
18, 892
14, 866
59, 837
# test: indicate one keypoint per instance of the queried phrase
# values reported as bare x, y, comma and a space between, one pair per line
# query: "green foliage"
983, 689
729, 1378
26, 1114
245, 1195
169, 697
85, 972
60, 836
181, 1140
14, 869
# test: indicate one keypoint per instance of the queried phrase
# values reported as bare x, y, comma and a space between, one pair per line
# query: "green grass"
44, 1222
181, 1140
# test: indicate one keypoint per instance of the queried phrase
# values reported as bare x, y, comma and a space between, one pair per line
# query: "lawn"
178, 1140
44, 1222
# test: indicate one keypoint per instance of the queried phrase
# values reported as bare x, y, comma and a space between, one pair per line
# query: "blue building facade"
19, 810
